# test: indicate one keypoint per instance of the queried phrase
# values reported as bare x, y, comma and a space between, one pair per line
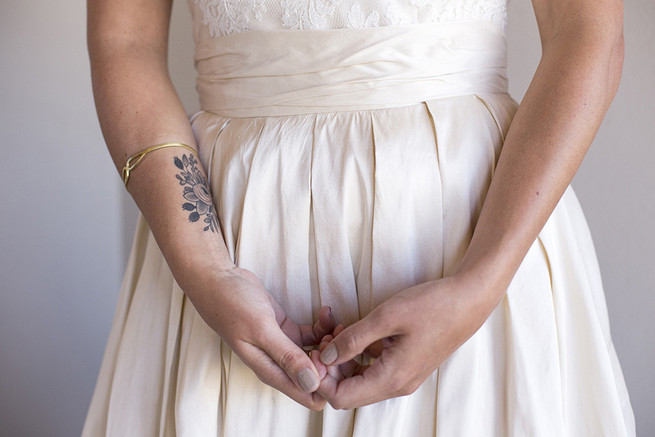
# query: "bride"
361, 233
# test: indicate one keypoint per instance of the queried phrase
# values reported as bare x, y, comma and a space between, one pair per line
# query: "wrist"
191, 267
202, 279
483, 284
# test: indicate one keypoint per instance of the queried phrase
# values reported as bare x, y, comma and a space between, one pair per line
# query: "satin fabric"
348, 69
341, 185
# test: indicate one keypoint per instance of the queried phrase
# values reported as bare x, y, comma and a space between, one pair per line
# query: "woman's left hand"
411, 334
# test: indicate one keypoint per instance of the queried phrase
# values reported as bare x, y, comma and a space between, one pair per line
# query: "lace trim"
460, 10
224, 17
392, 16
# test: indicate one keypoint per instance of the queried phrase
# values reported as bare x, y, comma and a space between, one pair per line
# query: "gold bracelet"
138, 157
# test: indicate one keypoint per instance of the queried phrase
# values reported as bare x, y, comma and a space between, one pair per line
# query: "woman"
354, 156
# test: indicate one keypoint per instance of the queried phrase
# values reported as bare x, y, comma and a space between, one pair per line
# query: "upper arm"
117, 24
587, 20
589, 29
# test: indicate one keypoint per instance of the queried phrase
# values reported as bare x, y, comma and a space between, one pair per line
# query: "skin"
417, 329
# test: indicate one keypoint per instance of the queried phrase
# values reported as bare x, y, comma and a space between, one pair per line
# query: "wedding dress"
349, 146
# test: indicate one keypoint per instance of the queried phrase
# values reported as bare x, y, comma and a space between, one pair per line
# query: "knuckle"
316, 406
262, 375
396, 386
256, 336
384, 314
414, 386
263, 378
351, 343
405, 391
408, 388
289, 360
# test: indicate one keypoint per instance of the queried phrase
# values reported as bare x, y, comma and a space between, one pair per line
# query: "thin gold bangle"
138, 157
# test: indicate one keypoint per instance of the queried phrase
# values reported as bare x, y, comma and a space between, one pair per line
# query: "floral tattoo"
196, 192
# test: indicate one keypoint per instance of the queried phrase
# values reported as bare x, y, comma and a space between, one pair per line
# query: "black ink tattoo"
196, 192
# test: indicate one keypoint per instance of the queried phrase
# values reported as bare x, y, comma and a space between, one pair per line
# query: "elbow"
607, 30
111, 38
598, 40
609, 37
609, 45
615, 64
586, 38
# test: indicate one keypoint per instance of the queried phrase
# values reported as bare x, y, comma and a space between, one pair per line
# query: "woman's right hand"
236, 305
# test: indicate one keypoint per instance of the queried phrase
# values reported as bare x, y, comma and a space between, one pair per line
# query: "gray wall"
66, 223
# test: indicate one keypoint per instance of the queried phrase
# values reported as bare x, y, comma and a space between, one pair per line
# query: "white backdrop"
67, 224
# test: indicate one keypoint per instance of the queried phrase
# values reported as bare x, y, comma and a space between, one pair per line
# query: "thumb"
293, 361
353, 340
311, 335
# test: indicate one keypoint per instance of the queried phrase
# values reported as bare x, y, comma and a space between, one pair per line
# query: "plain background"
67, 223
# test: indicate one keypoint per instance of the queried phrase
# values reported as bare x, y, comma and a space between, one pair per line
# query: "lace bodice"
214, 18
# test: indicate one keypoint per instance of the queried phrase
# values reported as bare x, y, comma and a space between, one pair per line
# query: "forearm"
137, 108
548, 138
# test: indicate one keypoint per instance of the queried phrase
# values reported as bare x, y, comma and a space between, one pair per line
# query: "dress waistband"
263, 73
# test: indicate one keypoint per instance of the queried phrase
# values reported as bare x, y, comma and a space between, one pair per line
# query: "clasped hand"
408, 336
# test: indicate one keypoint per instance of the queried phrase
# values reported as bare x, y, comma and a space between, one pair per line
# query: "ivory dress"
349, 146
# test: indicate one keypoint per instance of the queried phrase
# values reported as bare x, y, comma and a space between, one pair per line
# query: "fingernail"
307, 380
329, 354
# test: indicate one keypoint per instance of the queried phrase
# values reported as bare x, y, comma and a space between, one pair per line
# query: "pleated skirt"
345, 209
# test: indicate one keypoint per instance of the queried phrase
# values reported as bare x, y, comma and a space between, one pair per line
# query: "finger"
332, 377
291, 359
320, 367
382, 380
269, 372
324, 343
351, 368
312, 334
354, 339
347, 369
